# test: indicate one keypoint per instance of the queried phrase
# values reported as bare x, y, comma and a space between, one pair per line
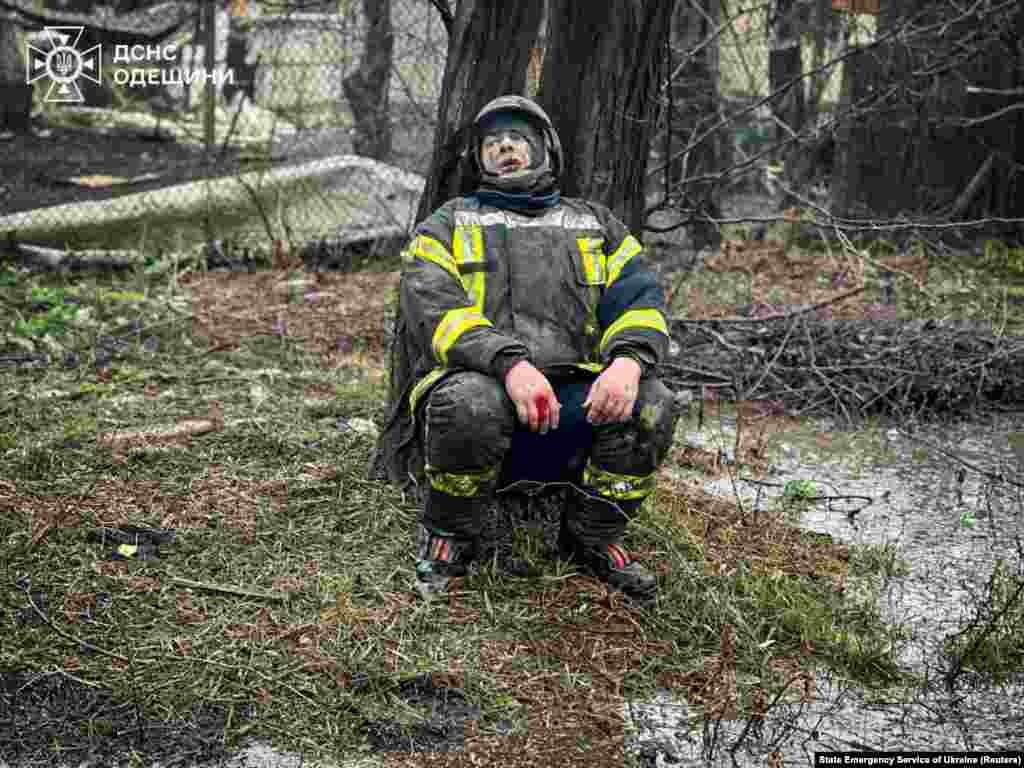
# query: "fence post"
209, 11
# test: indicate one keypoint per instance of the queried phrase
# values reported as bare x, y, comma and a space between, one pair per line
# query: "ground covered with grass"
193, 556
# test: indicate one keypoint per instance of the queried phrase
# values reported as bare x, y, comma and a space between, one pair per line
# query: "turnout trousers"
474, 445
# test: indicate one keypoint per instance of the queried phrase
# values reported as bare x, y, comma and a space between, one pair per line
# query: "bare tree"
692, 97
933, 113
367, 88
785, 67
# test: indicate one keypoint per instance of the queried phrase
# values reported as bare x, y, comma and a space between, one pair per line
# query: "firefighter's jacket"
564, 286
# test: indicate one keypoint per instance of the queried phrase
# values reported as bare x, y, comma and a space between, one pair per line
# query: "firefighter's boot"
440, 557
611, 563
591, 537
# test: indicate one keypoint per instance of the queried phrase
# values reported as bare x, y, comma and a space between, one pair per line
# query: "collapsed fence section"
254, 124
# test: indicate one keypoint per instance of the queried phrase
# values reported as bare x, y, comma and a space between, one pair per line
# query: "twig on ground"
1000, 477
68, 636
227, 589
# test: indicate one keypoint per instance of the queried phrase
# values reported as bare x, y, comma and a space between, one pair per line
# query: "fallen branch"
88, 260
141, 437
965, 199
999, 477
229, 590
853, 368
68, 636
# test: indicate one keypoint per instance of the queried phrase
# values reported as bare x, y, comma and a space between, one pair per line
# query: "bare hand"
613, 394
535, 401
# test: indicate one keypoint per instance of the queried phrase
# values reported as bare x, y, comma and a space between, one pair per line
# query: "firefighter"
528, 334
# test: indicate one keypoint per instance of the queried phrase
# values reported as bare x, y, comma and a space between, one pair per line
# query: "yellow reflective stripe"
433, 251
454, 323
461, 483
629, 248
592, 367
635, 318
612, 485
593, 259
468, 244
423, 385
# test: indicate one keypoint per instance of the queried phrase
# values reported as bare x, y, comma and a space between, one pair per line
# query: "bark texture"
693, 109
604, 66
784, 68
15, 94
367, 88
489, 47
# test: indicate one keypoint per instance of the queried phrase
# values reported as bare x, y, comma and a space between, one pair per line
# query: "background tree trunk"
784, 68
489, 45
15, 94
367, 88
695, 107
604, 66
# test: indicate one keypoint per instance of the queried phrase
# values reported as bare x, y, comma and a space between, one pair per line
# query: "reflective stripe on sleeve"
432, 250
454, 323
635, 318
629, 248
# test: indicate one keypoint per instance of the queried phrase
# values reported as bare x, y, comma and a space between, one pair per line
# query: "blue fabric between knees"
546, 458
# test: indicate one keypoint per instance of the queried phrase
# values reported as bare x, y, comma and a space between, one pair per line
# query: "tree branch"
447, 18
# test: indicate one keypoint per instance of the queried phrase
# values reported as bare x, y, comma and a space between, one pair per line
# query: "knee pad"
468, 423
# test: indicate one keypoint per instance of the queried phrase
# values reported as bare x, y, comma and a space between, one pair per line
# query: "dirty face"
505, 151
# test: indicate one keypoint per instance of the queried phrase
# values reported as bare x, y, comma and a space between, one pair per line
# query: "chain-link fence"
324, 113
849, 111
286, 155
747, 84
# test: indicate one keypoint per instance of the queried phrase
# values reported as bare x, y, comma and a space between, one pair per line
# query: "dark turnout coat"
485, 287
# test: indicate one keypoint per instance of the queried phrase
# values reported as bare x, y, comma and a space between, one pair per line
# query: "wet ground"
947, 521
947, 500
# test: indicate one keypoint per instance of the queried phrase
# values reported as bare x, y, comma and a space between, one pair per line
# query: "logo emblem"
63, 64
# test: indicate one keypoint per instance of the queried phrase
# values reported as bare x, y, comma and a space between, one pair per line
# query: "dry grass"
340, 318
271, 499
770, 275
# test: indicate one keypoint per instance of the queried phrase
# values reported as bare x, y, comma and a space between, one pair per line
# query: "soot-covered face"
504, 152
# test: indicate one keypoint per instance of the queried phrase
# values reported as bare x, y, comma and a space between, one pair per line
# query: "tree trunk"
489, 47
931, 112
694, 109
15, 94
1017, 191
367, 88
784, 68
827, 31
603, 71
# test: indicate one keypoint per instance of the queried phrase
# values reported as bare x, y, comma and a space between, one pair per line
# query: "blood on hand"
541, 404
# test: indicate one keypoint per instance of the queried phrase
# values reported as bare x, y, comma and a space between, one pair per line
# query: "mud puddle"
942, 505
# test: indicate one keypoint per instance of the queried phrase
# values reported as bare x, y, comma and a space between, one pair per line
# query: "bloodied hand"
534, 399
613, 395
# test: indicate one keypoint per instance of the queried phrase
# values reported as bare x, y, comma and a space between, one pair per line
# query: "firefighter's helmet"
548, 163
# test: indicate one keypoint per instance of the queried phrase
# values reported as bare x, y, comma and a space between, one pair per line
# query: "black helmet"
545, 168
